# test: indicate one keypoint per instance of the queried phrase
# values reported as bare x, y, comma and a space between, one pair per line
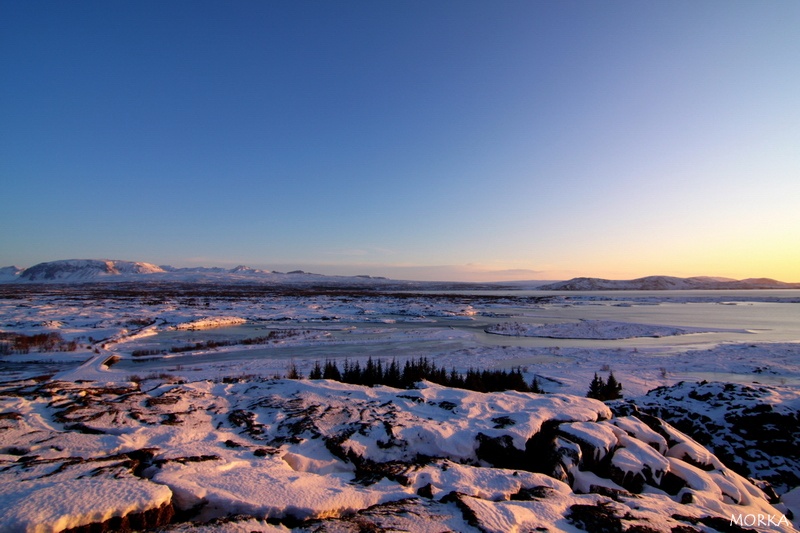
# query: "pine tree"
536, 387
393, 377
596, 388
370, 375
612, 389
293, 372
455, 379
332, 371
316, 372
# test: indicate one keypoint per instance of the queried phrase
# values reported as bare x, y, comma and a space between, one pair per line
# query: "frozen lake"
735, 317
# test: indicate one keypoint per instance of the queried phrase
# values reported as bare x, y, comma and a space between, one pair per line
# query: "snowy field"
157, 407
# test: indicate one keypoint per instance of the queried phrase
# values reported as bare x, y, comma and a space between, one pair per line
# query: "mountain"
655, 283
9, 273
94, 270
85, 270
242, 269
218, 270
97, 270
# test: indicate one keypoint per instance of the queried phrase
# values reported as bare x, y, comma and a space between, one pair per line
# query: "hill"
106, 270
655, 283
85, 269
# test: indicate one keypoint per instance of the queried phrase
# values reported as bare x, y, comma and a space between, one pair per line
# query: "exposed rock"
595, 518
149, 519
747, 427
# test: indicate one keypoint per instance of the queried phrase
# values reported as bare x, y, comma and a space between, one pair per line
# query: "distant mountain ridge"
85, 269
656, 283
99, 270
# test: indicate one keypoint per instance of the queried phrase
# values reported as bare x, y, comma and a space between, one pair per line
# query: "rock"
594, 518
149, 519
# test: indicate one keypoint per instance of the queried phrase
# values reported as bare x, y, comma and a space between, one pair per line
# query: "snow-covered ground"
167, 406
296, 451
593, 329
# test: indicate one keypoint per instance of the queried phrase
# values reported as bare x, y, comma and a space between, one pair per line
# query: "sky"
443, 140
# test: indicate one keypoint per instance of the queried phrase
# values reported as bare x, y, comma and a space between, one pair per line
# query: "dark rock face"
632, 481
594, 518
146, 520
500, 452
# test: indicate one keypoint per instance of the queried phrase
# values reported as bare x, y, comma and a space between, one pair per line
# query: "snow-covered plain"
592, 329
125, 426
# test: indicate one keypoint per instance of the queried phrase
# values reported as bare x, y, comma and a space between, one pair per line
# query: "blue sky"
418, 140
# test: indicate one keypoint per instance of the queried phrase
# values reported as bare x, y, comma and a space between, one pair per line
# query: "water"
744, 317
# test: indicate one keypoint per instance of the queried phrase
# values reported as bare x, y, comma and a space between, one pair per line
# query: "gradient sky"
412, 139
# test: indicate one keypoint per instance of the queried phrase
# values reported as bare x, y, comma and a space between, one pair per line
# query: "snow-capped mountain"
243, 269
94, 270
653, 283
86, 270
10, 273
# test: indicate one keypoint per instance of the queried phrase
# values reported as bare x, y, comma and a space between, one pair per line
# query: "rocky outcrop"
321, 455
753, 429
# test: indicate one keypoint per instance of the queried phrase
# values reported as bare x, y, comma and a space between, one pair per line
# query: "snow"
641, 431
494, 484
600, 437
73, 498
791, 502
635, 455
86, 269
211, 322
651, 283
268, 486
225, 439
687, 449
585, 482
593, 329
105, 270
265, 449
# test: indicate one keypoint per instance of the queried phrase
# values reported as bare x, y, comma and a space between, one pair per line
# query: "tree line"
393, 374
18, 343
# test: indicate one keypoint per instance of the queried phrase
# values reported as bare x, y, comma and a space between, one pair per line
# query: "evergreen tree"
370, 375
474, 381
352, 373
392, 377
316, 372
612, 389
375, 372
596, 388
514, 381
331, 371
536, 386
455, 379
293, 372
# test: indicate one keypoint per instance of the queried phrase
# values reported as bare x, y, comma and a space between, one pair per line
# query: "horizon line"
469, 273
